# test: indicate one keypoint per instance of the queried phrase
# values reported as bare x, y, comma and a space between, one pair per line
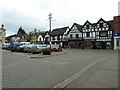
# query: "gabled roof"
86, 23
77, 25
59, 31
9, 37
101, 19
42, 33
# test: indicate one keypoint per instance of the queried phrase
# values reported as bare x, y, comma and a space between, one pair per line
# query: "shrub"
46, 51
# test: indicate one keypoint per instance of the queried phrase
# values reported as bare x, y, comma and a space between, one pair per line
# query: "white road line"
76, 75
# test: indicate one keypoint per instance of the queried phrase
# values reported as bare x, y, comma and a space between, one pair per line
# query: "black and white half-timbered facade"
59, 35
74, 35
88, 34
99, 34
104, 34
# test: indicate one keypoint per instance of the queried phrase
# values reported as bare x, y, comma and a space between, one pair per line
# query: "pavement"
95, 76
72, 68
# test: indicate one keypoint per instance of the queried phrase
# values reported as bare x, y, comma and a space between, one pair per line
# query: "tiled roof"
78, 26
59, 31
110, 22
86, 23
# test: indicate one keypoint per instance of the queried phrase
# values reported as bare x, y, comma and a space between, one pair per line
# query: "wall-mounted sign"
117, 34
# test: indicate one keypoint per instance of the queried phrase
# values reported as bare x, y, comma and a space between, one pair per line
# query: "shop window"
117, 43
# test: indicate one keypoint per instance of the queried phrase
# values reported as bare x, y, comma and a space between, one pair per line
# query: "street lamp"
50, 17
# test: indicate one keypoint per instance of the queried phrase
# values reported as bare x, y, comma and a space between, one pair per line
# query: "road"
75, 68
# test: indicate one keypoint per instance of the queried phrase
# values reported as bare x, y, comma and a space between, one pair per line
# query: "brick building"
116, 27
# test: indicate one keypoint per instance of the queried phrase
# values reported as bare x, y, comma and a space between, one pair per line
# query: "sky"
33, 14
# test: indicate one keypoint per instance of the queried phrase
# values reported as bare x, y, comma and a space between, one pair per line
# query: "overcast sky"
31, 14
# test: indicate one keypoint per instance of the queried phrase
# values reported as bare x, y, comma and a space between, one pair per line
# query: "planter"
46, 51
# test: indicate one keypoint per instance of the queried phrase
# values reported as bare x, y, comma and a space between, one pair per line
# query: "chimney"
116, 23
2, 26
35, 30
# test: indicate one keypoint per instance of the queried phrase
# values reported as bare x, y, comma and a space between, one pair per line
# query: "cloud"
31, 14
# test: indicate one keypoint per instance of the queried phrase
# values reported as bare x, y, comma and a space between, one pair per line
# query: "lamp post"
50, 17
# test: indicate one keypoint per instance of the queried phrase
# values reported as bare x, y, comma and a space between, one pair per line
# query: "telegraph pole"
50, 17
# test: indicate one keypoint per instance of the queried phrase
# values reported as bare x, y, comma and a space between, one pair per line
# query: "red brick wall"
116, 24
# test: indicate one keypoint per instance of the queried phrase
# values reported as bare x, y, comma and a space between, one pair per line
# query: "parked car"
56, 47
5, 45
36, 49
27, 48
45, 46
24, 43
15, 46
39, 48
21, 48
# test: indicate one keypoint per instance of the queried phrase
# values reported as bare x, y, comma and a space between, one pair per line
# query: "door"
118, 43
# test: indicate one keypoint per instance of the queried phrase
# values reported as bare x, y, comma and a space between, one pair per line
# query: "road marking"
67, 81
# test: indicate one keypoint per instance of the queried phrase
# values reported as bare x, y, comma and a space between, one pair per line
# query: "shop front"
117, 40
104, 43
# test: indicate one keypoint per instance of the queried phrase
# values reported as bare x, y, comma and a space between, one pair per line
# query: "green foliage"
46, 51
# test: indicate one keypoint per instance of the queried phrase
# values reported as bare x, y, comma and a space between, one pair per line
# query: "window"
88, 34
53, 37
103, 28
103, 34
110, 32
104, 24
87, 27
117, 43
39, 39
71, 36
58, 37
101, 25
93, 34
83, 34
77, 35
